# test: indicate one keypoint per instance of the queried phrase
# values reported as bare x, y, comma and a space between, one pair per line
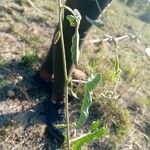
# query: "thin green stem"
100, 10
65, 73
117, 68
62, 40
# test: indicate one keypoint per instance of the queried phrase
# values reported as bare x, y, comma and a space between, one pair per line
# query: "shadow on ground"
24, 112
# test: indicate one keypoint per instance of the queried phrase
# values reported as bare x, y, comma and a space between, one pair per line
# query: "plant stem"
65, 73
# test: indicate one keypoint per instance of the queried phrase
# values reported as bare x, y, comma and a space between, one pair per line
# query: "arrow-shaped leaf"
87, 100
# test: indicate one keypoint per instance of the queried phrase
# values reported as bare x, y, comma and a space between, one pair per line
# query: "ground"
123, 107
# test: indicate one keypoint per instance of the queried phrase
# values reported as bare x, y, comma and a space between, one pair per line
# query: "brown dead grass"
25, 31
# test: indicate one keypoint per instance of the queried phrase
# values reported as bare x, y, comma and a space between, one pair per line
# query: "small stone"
20, 78
147, 51
1, 146
10, 93
78, 74
1, 76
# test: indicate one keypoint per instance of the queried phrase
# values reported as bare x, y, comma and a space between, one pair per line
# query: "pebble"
147, 51
78, 74
10, 93
20, 78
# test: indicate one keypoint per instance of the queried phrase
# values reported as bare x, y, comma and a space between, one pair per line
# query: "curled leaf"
78, 17
95, 125
98, 24
75, 22
75, 48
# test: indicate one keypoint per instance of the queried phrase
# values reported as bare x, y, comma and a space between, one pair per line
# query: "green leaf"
75, 21
72, 20
84, 113
87, 100
95, 125
88, 138
75, 48
57, 37
93, 81
98, 24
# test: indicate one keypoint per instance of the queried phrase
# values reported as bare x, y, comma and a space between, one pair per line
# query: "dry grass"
25, 36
